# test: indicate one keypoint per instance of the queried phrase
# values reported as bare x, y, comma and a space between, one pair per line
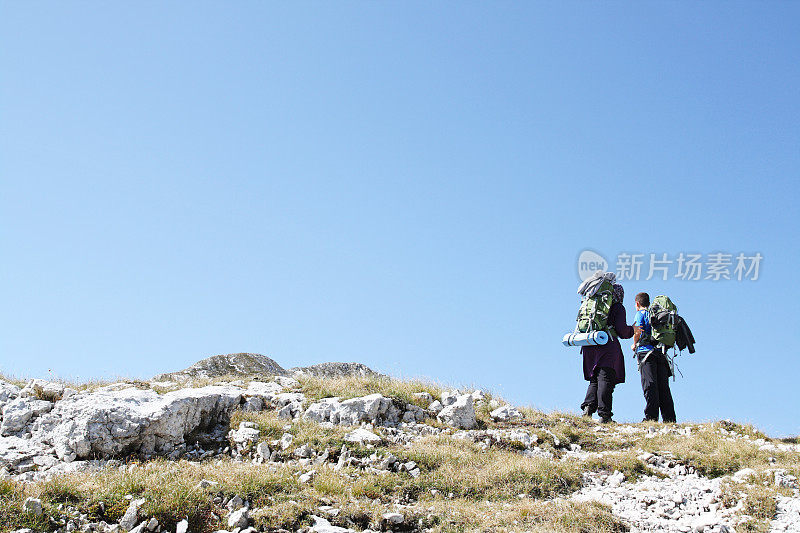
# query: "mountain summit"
233, 364
254, 364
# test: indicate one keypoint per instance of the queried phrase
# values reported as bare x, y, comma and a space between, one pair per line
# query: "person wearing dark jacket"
604, 365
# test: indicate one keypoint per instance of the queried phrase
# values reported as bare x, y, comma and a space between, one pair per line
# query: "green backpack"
593, 313
663, 319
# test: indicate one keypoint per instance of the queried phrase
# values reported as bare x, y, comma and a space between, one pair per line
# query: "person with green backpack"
603, 364
654, 333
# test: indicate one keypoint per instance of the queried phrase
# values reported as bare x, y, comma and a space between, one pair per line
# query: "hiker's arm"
637, 334
624, 331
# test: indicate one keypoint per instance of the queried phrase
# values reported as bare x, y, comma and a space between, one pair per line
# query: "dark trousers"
655, 384
599, 395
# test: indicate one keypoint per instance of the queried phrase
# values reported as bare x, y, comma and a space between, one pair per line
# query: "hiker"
653, 365
604, 365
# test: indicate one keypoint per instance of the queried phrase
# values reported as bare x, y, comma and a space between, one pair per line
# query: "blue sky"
403, 184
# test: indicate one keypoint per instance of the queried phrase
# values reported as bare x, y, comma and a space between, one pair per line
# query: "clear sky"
402, 184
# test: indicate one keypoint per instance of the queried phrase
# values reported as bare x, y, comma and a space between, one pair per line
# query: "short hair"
643, 299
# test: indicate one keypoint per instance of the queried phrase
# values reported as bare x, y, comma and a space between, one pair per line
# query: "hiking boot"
587, 412
606, 420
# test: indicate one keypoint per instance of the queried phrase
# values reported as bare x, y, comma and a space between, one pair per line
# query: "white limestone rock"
362, 436
239, 518
115, 422
505, 413
425, 397
393, 518
17, 413
436, 407
322, 410
321, 525
32, 506
460, 413
131, 516
449, 397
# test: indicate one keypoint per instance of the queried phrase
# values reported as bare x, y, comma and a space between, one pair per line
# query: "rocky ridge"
49, 430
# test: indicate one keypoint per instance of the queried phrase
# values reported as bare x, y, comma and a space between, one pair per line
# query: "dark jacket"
610, 354
683, 336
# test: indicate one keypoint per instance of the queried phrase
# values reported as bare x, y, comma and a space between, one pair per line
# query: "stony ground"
365, 453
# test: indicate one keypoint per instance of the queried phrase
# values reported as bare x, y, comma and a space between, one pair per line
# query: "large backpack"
663, 321
593, 313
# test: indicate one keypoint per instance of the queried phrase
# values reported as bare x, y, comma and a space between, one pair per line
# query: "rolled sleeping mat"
593, 338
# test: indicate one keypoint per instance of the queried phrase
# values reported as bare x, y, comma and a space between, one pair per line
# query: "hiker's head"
618, 294
642, 300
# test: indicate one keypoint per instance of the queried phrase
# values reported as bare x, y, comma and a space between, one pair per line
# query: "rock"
246, 435
8, 391
373, 409
321, 411
705, 522
307, 477
615, 479
449, 398
364, 409
321, 525
117, 422
263, 451
17, 413
131, 516
235, 503
413, 414
742, 475
152, 524
265, 391
52, 392
782, 479
287, 382
335, 370
436, 406
425, 397
303, 452
32, 506
505, 413
182, 527
239, 518
460, 413
207, 484
362, 436
286, 441
478, 396
287, 398
141, 528
286, 412
253, 404
393, 518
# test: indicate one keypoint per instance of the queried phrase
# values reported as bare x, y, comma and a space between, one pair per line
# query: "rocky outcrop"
120, 420
335, 370
372, 409
459, 411
234, 364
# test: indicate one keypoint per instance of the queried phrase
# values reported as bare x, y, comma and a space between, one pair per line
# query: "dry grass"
555, 516
354, 386
759, 503
463, 469
711, 454
484, 490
